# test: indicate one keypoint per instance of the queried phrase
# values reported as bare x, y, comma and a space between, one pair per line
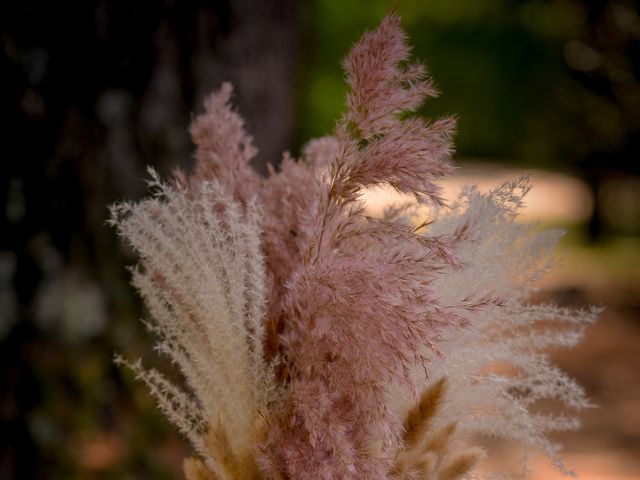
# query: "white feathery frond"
203, 282
497, 366
173, 402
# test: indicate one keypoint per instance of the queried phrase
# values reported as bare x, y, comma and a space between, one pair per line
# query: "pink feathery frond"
377, 144
382, 86
223, 148
358, 303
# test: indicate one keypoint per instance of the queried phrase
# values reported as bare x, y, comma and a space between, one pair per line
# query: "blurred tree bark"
93, 92
605, 63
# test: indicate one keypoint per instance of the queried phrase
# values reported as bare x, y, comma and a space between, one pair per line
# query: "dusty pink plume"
314, 338
355, 302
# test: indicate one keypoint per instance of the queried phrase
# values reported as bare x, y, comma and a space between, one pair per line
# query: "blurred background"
93, 91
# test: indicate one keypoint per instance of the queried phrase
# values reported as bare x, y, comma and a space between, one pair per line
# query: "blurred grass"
612, 264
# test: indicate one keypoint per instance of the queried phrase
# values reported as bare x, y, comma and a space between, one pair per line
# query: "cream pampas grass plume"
317, 342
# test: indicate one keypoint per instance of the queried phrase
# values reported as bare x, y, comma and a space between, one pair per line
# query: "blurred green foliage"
522, 76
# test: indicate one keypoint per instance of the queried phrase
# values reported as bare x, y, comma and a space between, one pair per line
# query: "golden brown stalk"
461, 464
439, 442
230, 465
425, 457
419, 417
219, 447
420, 449
195, 469
424, 452
426, 465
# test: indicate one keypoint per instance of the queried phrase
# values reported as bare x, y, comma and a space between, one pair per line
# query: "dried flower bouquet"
318, 342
